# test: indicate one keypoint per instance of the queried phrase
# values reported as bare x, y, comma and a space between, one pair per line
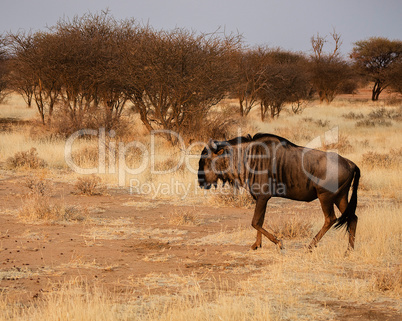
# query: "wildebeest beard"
216, 163
241, 162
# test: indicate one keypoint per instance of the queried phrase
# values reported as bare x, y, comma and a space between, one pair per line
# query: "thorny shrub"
38, 186
89, 185
27, 159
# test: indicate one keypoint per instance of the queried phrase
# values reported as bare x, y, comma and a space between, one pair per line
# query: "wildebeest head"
213, 164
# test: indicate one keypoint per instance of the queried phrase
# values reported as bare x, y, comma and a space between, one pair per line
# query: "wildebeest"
271, 166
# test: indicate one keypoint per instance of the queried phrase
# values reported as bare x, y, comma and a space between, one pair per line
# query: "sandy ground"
134, 245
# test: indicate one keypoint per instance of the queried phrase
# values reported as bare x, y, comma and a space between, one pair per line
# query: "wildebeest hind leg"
342, 204
327, 206
258, 221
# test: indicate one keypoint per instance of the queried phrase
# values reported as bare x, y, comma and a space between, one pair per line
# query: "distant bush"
89, 185
373, 123
384, 113
27, 159
352, 115
318, 122
377, 117
378, 160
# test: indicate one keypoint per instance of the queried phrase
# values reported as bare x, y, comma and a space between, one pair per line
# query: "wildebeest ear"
212, 146
220, 152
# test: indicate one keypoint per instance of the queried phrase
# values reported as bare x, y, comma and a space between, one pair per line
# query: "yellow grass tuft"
184, 217
230, 196
291, 227
38, 208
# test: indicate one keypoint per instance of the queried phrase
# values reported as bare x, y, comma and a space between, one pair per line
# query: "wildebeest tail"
349, 215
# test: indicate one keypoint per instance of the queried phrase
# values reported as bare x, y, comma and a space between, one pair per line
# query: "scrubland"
153, 246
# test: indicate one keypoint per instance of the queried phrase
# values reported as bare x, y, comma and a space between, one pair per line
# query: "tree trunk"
376, 91
241, 107
262, 112
144, 120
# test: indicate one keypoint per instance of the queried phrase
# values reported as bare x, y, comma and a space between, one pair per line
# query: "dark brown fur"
271, 166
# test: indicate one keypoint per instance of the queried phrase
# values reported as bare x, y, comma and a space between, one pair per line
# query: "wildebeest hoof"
348, 252
255, 246
309, 249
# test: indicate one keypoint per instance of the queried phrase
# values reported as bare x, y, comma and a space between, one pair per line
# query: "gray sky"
288, 24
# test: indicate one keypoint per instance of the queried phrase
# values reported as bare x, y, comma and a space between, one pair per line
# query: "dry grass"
392, 159
229, 196
291, 227
81, 302
265, 284
39, 208
183, 217
291, 286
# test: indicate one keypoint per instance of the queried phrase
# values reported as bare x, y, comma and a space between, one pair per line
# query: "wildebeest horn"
212, 145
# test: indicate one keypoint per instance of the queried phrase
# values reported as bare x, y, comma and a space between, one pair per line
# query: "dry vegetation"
183, 253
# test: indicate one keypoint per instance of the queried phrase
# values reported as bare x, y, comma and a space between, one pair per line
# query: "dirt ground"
134, 245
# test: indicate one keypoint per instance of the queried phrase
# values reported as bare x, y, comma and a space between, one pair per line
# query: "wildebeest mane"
249, 139
282, 140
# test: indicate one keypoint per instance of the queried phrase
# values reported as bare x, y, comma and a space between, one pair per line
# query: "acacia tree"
329, 71
34, 69
90, 60
74, 66
249, 65
3, 67
375, 58
179, 77
282, 80
395, 77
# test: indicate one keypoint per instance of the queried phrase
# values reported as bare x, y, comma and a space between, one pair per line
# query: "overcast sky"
288, 24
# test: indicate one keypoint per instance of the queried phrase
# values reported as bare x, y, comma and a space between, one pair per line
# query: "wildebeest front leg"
258, 221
